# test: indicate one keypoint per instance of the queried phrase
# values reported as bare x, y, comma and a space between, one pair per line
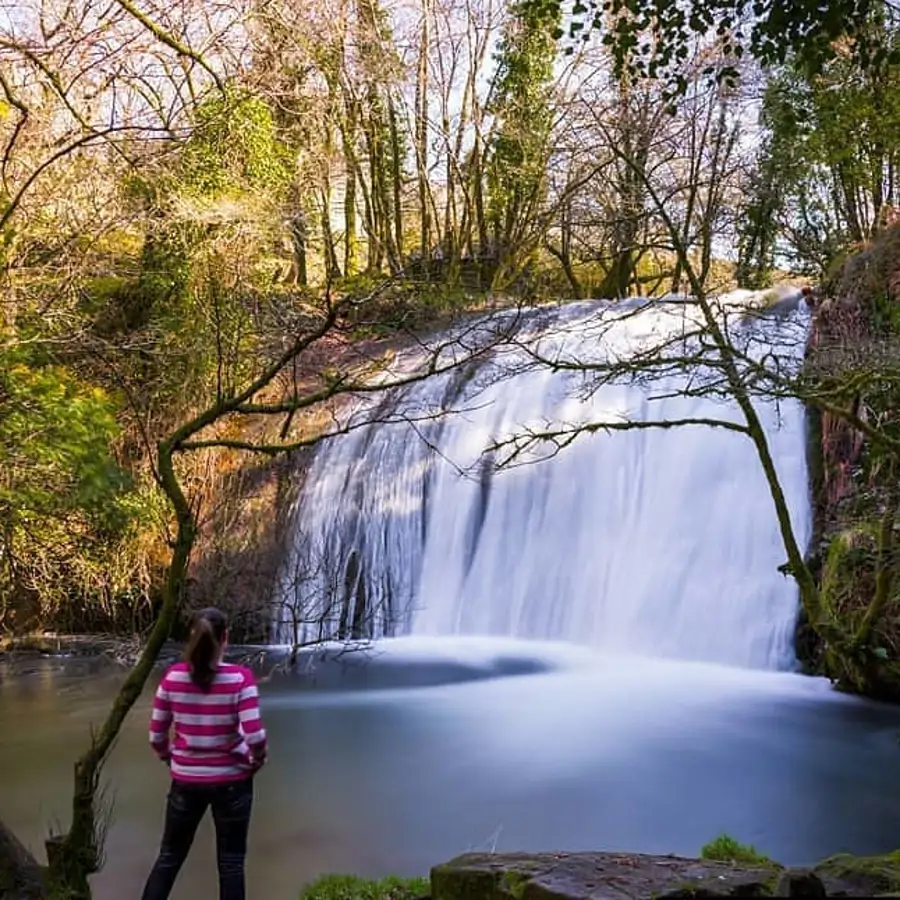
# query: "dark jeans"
187, 803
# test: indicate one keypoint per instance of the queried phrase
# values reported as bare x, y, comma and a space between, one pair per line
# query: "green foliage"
759, 226
725, 848
404, 304
831, 154
209, 221
234, 147
349, 887
166, 258
848, 587
68, 512
655, 37
884, 317
517, 166
55, 433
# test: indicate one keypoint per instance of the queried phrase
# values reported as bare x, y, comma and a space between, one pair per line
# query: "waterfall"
655, 542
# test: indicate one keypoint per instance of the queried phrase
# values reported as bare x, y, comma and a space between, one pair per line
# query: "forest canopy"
181, 186
652, 35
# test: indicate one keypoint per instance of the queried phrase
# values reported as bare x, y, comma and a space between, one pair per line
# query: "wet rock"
619, 876
861, 876
594, 876
799, 883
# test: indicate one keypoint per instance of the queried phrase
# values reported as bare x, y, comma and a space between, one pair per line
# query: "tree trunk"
796, 564
72, 857
298, 246
396, 184
617, 281
351, 253
329, 251
421, 107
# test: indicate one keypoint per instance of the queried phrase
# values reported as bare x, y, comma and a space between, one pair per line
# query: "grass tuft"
350, 887
725, 848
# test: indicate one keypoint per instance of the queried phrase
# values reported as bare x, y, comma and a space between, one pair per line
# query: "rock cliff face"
856, 326
854, 357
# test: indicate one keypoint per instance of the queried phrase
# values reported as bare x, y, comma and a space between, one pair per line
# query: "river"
638, 688
587, 751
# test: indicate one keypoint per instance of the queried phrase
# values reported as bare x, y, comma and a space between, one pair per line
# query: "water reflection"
621, 754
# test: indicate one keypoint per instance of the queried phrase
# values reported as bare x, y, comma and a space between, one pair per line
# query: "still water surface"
595, 752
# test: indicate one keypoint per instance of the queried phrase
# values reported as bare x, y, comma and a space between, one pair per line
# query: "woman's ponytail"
205, 645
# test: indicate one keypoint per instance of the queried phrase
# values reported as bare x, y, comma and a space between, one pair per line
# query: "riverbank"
107, 646
617, 876
613, 876
567, 876
73, 653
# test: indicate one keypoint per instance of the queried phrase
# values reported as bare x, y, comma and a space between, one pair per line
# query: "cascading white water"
656, 542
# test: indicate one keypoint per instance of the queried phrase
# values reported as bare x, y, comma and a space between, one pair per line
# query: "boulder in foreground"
626, 876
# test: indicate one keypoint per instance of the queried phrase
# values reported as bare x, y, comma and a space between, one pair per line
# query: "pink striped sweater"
218, 735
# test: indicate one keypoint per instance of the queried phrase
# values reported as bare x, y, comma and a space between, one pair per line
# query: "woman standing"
219, 743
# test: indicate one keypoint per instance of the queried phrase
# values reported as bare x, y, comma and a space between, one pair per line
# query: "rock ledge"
626, 876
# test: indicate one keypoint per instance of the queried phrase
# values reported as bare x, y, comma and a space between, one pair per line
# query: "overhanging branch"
172, 43
559, 438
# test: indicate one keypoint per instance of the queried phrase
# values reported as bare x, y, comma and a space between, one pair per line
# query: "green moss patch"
871, 875
349, 887
848, 585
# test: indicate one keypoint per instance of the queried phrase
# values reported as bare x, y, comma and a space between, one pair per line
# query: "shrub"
726, 849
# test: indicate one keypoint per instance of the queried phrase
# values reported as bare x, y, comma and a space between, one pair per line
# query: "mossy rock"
862, 876
621, 876
596, 876
848, 575
474, 876
847, 588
